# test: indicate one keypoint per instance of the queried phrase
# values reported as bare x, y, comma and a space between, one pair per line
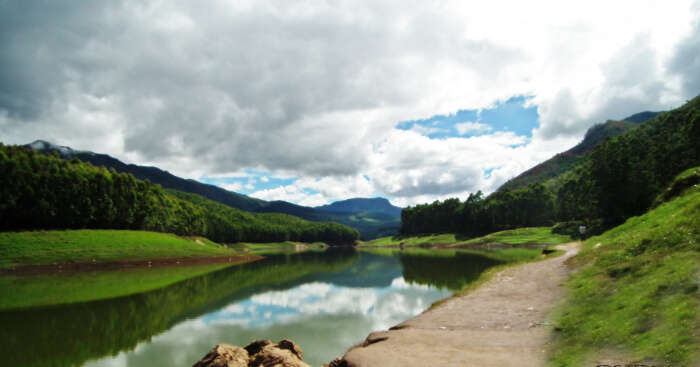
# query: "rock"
338, 362
272, 356
291, 346
256, 346
260, 353
224, 355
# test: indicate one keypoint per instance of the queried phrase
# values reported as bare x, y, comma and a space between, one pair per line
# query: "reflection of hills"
442, 271
72, 334
370, 271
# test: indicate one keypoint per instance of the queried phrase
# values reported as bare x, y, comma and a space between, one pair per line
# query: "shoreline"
502, 322
68, 267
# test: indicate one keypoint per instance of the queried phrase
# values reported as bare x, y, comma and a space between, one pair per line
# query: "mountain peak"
47, 146
376, 204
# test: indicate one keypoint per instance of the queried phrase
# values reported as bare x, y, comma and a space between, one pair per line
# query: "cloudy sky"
313, 101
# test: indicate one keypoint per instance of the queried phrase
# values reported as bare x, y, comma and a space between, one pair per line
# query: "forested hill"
618, 178
374, 205
42, 191
371, 224
563, 162
154, 175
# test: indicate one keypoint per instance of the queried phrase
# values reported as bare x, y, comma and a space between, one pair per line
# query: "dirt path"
501, 323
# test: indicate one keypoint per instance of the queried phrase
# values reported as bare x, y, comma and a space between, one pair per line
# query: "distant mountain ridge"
374, 219
377, 205
558, 165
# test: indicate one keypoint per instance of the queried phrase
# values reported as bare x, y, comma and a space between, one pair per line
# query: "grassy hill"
99, 246
516, 237
637, 289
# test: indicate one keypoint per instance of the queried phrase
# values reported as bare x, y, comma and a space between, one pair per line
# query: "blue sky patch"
252, 181
511, 115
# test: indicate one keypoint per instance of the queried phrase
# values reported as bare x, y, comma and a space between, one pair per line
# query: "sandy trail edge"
501, 323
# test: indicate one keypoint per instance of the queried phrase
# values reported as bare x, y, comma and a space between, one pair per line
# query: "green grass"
520, 236
42, 290
636, 292
48, 247
274, 245
437, 239
509, 255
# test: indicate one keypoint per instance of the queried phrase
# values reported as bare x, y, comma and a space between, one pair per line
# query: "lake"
326, 301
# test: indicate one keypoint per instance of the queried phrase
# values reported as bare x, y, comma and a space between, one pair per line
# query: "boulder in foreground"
260, 353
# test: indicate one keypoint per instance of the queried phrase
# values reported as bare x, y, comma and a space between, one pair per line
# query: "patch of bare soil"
504, 322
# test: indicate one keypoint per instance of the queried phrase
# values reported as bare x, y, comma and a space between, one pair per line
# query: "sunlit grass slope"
48, 247
520, 236
637, 291
52, 289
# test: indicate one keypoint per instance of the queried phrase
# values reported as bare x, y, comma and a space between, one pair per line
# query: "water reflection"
326, 302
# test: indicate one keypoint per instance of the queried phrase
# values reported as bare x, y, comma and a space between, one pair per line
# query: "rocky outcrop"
260, 353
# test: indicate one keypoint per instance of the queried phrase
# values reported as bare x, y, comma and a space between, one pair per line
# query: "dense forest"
42, 191
617, 179
528, 207
372, 219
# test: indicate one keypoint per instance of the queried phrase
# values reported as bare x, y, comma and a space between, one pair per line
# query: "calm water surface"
325, 302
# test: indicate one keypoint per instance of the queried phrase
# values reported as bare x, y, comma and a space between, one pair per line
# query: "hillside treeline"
40, 191
622, 177
528, 207
618, 179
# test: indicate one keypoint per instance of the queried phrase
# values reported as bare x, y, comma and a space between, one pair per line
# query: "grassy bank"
49, 247
520, 236
286, 245
54, 289
636, 294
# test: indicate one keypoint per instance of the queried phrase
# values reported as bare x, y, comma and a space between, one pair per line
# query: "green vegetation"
47, 247
625, 174
637, 290
427, 240
372, 217
229, 225
476, 216
71, 334
549, 171
56, 289
40, 191
520, 236
619, 178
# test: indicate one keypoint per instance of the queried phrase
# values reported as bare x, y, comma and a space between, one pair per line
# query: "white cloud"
466, 127
233, 186
292, 193
315, 91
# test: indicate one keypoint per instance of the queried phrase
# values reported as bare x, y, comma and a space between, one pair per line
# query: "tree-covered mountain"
154, 175
372, 205
547, 171
42, 191
370, 223
615, 173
